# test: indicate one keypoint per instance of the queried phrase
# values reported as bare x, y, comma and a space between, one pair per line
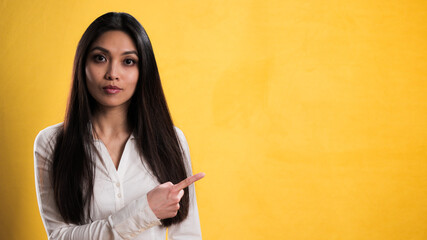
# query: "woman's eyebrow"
106, 51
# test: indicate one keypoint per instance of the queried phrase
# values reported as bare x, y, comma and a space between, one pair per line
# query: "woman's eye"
99, 58
129, 62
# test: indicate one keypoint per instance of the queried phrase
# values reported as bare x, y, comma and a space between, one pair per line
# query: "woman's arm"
126, 223
189, 229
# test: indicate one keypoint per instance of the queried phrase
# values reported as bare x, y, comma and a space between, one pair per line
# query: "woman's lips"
111, 89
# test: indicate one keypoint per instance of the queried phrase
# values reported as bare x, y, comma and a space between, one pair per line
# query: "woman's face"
112, 69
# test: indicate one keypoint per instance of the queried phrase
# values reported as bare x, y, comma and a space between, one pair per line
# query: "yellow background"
308, 117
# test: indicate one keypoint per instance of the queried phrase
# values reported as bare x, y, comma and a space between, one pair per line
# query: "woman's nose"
112, 72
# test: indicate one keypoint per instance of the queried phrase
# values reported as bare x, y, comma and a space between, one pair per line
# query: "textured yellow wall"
308, 117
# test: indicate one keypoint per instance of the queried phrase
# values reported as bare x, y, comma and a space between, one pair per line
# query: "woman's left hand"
164, 199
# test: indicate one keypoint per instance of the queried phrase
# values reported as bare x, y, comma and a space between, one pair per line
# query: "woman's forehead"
114, 41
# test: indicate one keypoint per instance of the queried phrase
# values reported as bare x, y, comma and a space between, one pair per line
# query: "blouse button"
117, 184
119, 195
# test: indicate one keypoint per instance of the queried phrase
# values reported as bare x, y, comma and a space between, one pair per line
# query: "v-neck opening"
110, 164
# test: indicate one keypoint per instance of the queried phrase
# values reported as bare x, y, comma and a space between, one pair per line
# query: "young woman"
116, 168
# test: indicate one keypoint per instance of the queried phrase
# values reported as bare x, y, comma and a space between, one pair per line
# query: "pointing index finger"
188, 181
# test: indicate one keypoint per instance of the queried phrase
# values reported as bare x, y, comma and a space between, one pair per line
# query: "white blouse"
119, 209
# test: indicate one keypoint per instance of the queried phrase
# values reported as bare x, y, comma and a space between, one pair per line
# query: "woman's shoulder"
49, 132
180, 135
46, 138
178, 131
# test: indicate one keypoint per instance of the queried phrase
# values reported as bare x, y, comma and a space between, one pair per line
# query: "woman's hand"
164, 199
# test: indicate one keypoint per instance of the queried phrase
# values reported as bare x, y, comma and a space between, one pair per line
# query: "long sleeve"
189, 229
126, 223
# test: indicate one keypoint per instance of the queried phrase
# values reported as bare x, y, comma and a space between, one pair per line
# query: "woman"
116, 168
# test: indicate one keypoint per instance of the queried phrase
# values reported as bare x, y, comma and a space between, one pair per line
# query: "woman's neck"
110, 123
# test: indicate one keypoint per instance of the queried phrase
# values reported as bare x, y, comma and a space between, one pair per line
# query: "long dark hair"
73, 167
